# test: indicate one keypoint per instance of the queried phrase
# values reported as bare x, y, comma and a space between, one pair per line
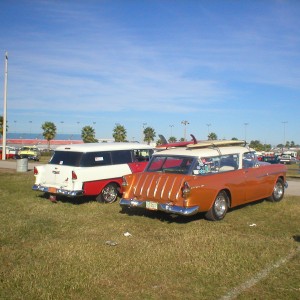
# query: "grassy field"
65, 250
293, 171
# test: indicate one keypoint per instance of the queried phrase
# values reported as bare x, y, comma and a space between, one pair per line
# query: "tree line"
88, 133
120, 135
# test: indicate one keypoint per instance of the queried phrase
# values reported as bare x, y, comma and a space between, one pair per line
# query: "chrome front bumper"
57, 191
171, 209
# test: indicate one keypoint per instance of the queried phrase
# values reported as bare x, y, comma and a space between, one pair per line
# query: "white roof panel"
92, 147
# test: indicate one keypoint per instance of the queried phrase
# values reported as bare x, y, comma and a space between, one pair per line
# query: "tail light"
124, 181
74, 176
186, 189
35, 171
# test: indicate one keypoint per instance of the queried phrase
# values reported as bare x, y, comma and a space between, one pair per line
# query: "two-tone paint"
73, 181
188, 194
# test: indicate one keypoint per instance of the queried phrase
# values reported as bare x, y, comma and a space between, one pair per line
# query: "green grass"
293, 170
60, 251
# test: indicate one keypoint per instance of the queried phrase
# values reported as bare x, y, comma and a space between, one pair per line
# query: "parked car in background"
9, 153
206, 177
287, 159
92, 169
30, 152
271, 159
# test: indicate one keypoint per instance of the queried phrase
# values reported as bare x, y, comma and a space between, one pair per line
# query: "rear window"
171, 164
66, 158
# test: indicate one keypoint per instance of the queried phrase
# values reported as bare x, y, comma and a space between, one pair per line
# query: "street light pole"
284, 122
30, 122
184, 132
171, 126
246, 124
208, 125
4, 108
143, 128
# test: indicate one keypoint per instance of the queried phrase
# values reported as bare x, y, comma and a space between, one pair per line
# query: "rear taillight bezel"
124, 181
74, 175
35, 171
186, 190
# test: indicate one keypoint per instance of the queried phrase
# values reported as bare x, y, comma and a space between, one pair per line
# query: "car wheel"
278, 191
219, 208
109, 193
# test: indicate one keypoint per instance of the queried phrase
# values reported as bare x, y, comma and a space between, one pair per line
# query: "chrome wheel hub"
220, 206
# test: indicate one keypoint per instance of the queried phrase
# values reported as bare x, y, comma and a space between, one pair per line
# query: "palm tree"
149, 135
212, 136
88, 135
1, 125
49, 132
119, 133
172, 139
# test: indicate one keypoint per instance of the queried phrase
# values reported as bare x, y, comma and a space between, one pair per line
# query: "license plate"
52, 190
151, 205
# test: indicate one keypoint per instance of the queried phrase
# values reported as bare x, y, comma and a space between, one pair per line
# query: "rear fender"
92, 188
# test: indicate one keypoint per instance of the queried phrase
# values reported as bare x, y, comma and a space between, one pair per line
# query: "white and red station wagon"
92, 169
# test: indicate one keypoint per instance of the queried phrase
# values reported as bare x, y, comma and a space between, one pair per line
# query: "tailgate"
158, 187
55, 176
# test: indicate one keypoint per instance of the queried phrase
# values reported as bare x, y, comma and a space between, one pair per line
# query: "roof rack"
221, 143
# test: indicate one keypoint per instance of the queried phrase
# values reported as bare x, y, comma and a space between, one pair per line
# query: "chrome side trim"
171, 209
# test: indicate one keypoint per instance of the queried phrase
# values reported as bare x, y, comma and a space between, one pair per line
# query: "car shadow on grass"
172, 218
296, 238
161, 216
64, 199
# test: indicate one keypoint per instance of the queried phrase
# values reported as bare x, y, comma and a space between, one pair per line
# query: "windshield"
171, 164
29, 149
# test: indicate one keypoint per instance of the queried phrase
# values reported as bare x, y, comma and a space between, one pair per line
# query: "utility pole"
184, 132
246, 124
284, 142
4, 109
143, 128
208, 125
171, 126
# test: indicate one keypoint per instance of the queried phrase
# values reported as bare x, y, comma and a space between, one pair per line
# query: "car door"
255, 178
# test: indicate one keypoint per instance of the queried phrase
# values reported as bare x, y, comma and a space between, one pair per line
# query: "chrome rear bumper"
171, 209
58, 191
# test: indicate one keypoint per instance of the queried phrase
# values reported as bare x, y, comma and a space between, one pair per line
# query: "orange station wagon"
208, 177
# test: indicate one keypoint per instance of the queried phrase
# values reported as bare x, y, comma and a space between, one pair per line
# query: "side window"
121, 157
249, 160
66, 158
95, 159
229, 162
156, 164
211, 165
142, 154
206, 165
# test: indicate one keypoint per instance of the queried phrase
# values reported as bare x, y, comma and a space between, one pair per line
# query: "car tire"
219, 208
109, 193
278, 191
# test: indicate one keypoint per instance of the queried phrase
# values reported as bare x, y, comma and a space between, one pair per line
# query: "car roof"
204, 152
91, 147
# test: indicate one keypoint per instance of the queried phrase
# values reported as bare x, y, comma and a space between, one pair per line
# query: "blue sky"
225, 63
